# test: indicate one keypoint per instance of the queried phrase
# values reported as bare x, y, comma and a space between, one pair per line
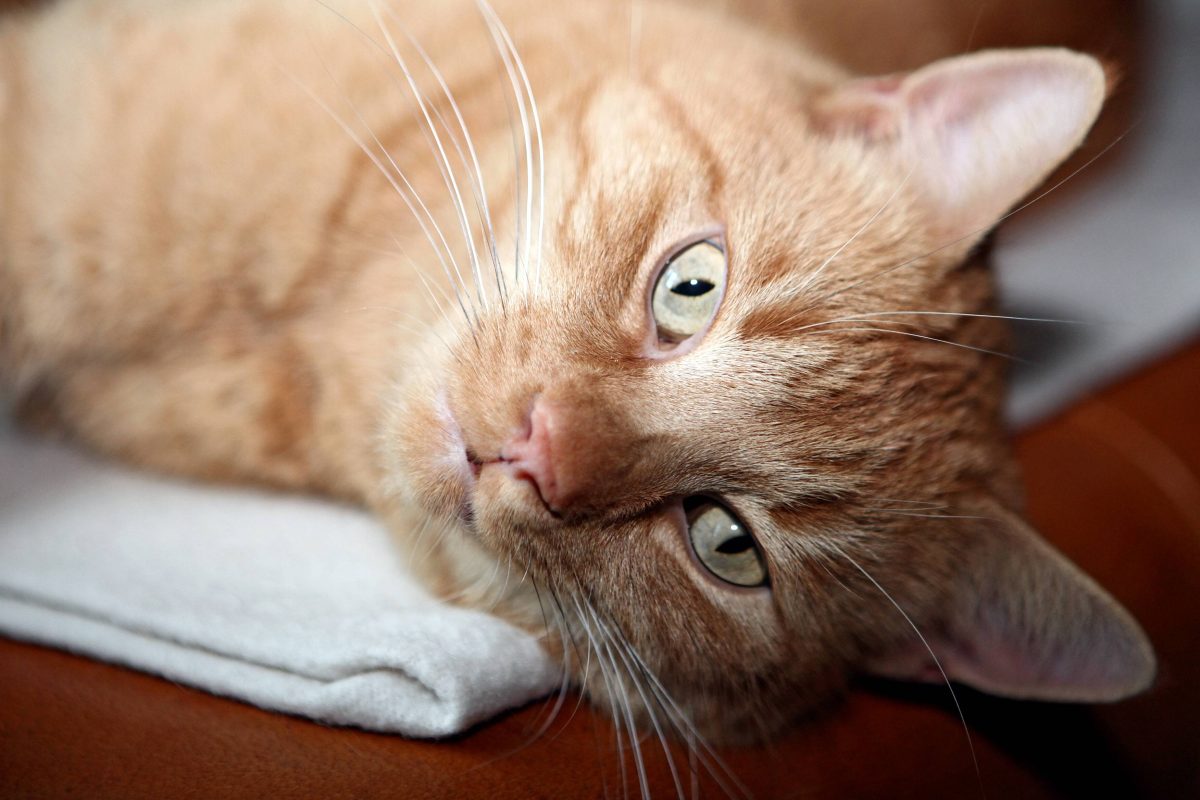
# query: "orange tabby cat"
664, 332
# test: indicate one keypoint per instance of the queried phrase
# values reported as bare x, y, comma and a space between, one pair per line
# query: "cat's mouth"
482, 480
511, 472
474, 461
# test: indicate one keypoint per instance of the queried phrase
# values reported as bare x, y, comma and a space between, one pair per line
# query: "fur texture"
229, 249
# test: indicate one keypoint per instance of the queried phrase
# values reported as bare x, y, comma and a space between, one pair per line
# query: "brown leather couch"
1114, 482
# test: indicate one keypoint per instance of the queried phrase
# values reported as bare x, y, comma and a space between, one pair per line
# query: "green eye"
688, 291
724, 545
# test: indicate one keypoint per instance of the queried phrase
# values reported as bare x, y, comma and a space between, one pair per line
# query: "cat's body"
202, 272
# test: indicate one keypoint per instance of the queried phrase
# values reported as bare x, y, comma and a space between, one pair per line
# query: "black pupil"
735, 544
692, 288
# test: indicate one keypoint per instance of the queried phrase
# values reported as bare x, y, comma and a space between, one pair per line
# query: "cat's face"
706, 431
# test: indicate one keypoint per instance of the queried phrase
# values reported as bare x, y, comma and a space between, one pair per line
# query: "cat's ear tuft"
978, 132
1026, 623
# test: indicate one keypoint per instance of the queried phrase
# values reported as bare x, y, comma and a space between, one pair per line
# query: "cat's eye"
688, 290
723, 544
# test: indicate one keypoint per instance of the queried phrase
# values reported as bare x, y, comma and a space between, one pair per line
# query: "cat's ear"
1024, 622
978, 132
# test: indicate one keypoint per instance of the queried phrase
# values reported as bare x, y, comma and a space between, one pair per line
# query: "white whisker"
442, 160
808, 281
725, 776
923, 337
621, 644
522, 93
937, 662
966, 314
415, 195
478, 187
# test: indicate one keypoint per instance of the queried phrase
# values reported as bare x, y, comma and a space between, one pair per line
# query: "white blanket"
283, 602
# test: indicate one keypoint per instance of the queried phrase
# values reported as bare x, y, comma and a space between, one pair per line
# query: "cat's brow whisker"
868, 317
827, 322
811, 278
924, 338
478, 187
968, 314
826, 549
981, 229
441, 159
902, 502
925, 516
936, 661
398, 171
522, 93
412, 203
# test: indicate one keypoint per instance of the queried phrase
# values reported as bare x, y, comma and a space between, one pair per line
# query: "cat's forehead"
671, 158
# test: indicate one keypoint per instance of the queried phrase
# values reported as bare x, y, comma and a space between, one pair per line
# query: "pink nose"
530, 453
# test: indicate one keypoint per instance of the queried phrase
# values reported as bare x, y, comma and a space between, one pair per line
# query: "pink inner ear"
977, 131
1044, 670
985, 664
1024, 622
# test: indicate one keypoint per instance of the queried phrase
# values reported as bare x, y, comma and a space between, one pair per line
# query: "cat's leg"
257, 414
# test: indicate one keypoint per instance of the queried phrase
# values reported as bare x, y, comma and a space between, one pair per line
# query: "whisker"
442, 160
621, 643
608, 674
925, 516
925, 338
868, 317
937, 662
967, 314
808, 281
477, 185
541, 152
525, 92
722, 774
400, 192
416, 196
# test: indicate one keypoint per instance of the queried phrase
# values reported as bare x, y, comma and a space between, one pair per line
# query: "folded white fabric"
286, 603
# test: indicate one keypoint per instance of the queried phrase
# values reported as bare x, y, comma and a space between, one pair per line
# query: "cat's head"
743, 431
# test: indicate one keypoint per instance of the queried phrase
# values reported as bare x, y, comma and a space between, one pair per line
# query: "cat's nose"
530, 453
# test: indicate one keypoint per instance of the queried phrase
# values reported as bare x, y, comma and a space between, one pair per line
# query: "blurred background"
1121, 252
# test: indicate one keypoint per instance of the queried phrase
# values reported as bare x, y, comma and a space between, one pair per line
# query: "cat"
653, 331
